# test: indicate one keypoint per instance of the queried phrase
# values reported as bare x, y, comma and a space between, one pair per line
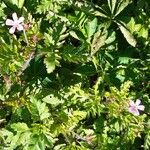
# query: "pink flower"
16, 23
134, 107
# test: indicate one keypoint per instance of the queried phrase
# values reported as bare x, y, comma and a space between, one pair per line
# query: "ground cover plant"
74, 74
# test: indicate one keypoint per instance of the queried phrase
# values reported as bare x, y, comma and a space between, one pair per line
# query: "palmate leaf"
114, 8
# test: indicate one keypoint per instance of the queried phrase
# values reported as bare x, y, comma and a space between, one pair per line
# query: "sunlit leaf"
50, 62
98, 40
20, 127
121, 5
38, 109
127, 34
91, 27
112, 5
18, 3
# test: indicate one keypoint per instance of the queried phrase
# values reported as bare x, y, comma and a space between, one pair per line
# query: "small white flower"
134, 107
16, 23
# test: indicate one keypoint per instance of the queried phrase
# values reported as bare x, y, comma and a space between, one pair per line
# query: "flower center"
134, 108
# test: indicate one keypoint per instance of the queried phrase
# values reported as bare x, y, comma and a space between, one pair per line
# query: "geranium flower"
134, 107
16, 23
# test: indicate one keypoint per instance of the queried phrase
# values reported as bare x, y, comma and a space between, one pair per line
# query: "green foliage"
68, 79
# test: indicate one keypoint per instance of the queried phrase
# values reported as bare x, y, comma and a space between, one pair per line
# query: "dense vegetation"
74, 74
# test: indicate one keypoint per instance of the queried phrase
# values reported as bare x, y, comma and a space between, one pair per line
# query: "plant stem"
25, 36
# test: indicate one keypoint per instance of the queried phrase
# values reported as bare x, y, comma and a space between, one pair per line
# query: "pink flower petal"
15, 18
12, 30
131, 103
21, 19
132, 109
138, 101
9, 22
136, 113
141, 107
19, 27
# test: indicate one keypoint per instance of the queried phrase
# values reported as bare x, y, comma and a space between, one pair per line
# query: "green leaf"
38, 110
12, 3
131, 24
51, 99
117, 126
112, 5
87, 70
50, 62
127, 34
5, 133
98, 41
138, 29
20, 127
143, 33
78, 115
111, 37
101, 12
73, 34
99, 86
122, 4
20, 3
117, 6
77, 35
91, 27
124, 60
